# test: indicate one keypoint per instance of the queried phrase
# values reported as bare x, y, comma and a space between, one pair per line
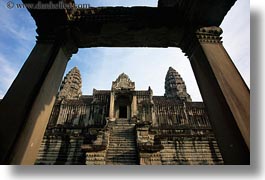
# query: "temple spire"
175, 86
71, 85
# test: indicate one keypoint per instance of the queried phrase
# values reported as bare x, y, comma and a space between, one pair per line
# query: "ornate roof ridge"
123, 82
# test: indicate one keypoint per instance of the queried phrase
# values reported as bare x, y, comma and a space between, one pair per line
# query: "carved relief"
202, 35
209, 34
123, 82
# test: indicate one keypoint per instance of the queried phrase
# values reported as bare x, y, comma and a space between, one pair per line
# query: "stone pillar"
134, 106
111, 107
26, 108
129, 112
224, 93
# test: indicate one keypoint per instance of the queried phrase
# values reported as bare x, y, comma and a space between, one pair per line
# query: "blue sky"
100, 66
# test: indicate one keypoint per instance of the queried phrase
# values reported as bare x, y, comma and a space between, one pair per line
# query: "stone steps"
123, 121
121, 153
190, 152
120, 163
193, 162
129, 139
121, 158
120, 140
122, 149
54, 150
122, 144
122, 133
125, 147
40, 154
117, 136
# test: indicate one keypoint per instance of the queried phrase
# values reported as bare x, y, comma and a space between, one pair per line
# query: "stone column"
25, 109
111, 107
134, 106
224, 93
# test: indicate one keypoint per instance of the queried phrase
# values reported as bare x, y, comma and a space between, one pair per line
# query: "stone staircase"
58, 150
122, 148
190, 152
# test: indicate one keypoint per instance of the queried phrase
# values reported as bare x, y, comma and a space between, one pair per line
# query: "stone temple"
125, 126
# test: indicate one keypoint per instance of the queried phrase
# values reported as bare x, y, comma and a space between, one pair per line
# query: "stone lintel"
202, 12
164, 26
62, 37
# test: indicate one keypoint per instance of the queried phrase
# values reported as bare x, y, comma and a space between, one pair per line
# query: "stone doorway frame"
127, 105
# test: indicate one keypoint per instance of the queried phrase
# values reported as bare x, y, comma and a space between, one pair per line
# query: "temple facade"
125, 126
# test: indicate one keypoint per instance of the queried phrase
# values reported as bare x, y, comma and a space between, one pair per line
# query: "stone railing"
149, 146
96, 151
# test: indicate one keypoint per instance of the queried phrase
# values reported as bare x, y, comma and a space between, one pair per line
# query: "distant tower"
71, 85
175, 86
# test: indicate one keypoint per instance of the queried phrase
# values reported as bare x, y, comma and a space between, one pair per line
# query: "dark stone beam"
132, 26
200, 12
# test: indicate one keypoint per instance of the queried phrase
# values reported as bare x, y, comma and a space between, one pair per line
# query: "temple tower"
175, 86
71, 85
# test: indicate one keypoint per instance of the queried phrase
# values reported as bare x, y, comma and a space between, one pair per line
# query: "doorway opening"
123, 106
123, 112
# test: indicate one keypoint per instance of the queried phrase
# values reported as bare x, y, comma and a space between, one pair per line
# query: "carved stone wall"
86, 111
145, 105
148, 146
96, 158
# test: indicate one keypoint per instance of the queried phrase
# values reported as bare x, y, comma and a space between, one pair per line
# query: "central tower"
122, 98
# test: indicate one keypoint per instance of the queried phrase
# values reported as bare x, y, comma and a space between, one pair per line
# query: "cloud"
7, 75
16, 41
19, 28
